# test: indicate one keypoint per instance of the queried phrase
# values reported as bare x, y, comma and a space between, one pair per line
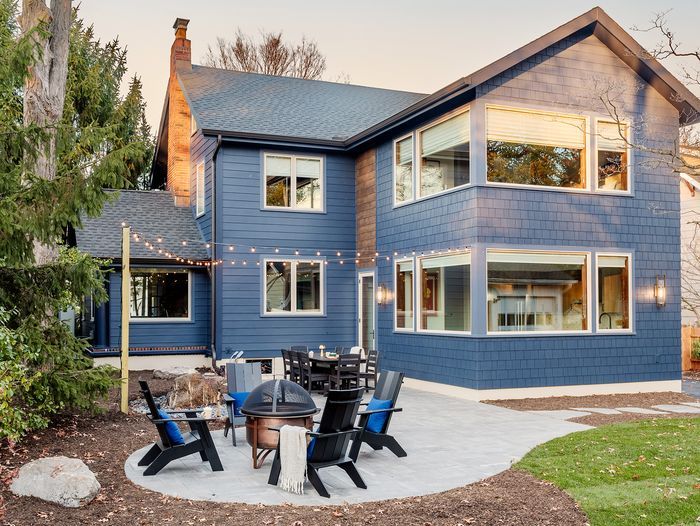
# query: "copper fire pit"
274, 404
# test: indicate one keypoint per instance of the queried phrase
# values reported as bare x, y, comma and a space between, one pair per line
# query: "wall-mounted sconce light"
382, 295
660, 290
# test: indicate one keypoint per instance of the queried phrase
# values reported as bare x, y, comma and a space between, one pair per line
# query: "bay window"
535, 148
293, 182
445, 293
404, 295
612, 156
536, 291
613, 292
294, 287
158, 294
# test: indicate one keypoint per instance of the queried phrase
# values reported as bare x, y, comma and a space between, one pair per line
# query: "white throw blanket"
292, 459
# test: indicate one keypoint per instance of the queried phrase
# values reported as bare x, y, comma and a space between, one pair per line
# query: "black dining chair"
371, 368
310, 377
287, 364
346, 374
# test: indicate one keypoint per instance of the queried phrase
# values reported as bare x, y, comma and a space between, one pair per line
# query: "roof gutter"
213, 269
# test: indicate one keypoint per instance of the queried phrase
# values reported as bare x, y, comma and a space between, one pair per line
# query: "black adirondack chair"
388, 387
330, 442
198, 440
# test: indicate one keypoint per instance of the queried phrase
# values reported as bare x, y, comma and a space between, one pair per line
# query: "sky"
406, 45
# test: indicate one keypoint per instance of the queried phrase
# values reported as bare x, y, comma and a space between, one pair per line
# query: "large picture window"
612, 156
404, 295
160, 294
536, 291
444, 155
445, 293
293, 182
294, 287
535, 148
613, 292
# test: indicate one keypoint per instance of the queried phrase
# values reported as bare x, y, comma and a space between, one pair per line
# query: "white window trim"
413, 294
293, 176
586, 161
418, 301
630, 293
589, 310
193, 125
200, 189
628, 151
417, 158
293, 300
188, 319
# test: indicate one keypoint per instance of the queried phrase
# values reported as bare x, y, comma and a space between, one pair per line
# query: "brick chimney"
178, 178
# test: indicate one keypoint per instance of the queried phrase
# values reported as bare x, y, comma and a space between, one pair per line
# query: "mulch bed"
610, 401
104, 443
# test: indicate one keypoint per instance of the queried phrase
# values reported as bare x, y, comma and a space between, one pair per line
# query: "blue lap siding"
243, 224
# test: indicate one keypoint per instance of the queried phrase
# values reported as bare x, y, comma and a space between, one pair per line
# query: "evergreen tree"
100, 143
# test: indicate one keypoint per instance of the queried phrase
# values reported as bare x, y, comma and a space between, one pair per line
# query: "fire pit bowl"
274, 404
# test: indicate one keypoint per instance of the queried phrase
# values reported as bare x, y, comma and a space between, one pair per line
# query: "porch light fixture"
660, 290
382, 295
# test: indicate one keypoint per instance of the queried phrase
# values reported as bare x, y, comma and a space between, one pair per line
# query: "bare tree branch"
271, 55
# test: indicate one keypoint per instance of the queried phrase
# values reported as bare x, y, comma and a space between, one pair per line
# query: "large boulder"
168, 373
65, 481
194, 390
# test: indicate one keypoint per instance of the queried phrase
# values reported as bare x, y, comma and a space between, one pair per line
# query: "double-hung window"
160, 294
535, 148
293, 182
612, 156
439, 163
403, 319
294, 287
614, 300
200, 196
537, 291
445, 293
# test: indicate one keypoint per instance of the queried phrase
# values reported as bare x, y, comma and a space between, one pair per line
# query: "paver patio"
450, 442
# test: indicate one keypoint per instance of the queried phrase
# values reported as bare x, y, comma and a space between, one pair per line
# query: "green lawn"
641, 473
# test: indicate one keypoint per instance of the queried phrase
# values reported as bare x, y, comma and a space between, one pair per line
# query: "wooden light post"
126, 302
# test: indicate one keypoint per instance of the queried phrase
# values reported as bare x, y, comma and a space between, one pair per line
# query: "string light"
230, 248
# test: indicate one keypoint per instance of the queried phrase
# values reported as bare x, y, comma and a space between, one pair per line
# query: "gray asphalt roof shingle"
234, 101
151, 213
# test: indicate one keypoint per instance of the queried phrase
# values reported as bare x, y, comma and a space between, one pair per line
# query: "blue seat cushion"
171, 429
310, 448
375, 422
238, 401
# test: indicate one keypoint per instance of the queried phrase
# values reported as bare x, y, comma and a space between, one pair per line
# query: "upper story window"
445, 293
535, 148
614, 300
160, 294
294, 287
537, 291
200, 196
293, 182
442, 159
612, 156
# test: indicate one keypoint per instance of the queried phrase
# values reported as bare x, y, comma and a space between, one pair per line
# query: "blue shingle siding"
194, 333
244, 224
646, 224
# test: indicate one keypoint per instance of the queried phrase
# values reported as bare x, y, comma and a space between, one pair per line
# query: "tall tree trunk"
45, 88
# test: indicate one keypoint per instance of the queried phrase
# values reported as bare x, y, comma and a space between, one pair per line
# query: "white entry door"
365, 310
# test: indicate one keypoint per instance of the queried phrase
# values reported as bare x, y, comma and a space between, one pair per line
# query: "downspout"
213, 269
